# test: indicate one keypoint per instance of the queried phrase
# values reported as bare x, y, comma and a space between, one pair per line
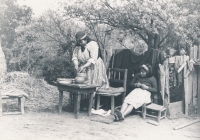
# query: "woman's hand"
143, 86
81, 68
138, 84
76, 68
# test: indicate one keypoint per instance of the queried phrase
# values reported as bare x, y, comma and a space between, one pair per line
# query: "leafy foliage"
158, 23
12, 16
58, 67
43, 46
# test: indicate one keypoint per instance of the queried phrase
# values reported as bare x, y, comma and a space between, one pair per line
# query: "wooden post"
0, 104
194, 87
104, 56
198, 96
186, 91
167, 98
190, 92
198, 52
195, 52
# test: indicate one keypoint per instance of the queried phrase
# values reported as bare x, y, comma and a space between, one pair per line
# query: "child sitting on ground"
143, 85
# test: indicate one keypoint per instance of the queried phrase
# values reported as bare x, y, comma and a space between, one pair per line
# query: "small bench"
21, 101
161, 110
14, 94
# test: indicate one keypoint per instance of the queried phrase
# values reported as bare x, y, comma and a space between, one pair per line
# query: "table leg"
19, 103
60, 101
159, 116
78, 100
90, 103
22, 102
74, 102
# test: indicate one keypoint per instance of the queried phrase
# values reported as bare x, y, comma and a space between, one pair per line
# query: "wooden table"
77, 90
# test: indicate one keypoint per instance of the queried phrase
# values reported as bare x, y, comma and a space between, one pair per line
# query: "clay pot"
79, 80
84, 75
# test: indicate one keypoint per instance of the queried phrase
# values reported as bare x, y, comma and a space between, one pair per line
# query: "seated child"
143, 85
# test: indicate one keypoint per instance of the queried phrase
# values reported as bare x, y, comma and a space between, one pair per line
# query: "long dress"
96, 72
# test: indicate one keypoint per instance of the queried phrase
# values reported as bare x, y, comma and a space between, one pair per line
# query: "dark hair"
78, 43
147, 68
88, 39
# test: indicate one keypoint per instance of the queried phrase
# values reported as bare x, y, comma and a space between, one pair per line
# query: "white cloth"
138, 97
101, 112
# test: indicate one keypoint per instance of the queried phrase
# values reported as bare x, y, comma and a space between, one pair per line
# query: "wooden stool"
21, 101
112, 95
158, 108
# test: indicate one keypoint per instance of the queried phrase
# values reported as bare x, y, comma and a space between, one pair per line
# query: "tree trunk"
150, 40
156, 41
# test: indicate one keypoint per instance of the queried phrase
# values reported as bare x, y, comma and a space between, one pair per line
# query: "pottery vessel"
65, 81
79, 80
84, 75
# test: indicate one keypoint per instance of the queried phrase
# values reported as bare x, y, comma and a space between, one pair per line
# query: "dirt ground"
47, 124
41, 121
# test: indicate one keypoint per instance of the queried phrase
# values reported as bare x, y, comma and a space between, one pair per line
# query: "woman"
144, 84
86, 58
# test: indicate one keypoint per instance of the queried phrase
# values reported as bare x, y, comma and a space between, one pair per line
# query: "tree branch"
163, 39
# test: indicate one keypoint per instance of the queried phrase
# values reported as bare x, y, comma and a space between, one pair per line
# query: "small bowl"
65, 81
61, 79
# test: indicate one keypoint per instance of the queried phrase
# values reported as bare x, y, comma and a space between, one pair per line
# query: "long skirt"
97, 75
138, 97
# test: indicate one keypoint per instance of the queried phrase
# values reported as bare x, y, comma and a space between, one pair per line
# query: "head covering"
80, 35
147, 68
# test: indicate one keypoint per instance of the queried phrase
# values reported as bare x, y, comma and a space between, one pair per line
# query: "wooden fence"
192, 90
190, 103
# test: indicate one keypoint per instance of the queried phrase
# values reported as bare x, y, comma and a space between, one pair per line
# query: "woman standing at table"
87, 58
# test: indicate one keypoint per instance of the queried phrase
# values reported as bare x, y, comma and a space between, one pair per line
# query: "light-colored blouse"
90, 54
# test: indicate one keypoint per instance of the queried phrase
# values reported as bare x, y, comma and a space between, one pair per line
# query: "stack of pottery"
80, 78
